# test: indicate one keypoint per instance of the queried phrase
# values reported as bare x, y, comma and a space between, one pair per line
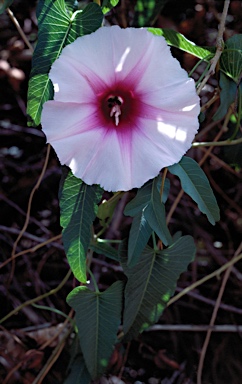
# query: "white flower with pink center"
123, 108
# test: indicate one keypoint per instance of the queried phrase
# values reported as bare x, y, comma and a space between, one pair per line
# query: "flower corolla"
123, 108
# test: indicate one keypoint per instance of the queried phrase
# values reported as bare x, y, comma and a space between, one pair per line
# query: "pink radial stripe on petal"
68, 119
126, 110
115, 170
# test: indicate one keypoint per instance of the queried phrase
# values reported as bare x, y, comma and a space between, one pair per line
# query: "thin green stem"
108, 241
163, 182
218, 143
57, 311
94, 280
154, 241
32, 301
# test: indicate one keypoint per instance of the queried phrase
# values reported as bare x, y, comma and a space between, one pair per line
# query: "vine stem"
204, 279
32, 301
31, 250
28, 211
20, 31
208, 151
219, 45
213, 318
218, 143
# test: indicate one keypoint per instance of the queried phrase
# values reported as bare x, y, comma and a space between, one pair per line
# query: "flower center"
118, 106
114, 103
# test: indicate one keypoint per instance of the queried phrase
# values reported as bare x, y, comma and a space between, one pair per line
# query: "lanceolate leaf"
4, 4
148, 200
139, 235
147, 11
107, 5
141, 200
77, 372
231, 58
98, 318
143, 197
177, 40
155, 215
78, 204
57, 28
227, 95
103, 248
195, 184
152, 282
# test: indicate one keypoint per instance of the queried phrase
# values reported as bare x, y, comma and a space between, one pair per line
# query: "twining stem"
28, 210
213, 318
204, 279
41, 297
203, 159
163, 182
93, 280
20, 31
218, 143
219, 45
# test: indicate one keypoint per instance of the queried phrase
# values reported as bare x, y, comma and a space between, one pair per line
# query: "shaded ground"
158, 356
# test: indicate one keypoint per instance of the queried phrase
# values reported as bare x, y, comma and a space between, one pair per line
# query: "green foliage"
106, 209
233, 153
227, 95
152, 282
230, 77
151, 273
176, 39
102, 247
107, 5
77, 372
78, 205
57, 28
231, 58
195, 184
148, 200
139, 235
98, 317
146, 12
4, 4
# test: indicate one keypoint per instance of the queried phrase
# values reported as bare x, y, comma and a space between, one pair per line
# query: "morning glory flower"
123, 108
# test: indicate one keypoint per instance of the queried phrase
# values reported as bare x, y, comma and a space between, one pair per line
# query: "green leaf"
139, 235
231, 58
107, 5
141, 200
97, 318
177, 40
4, 4
102, 247
77, 372
152, 282
107, 207
233, 153
195, 183
78, 205
147, 11
227, 96
148, 199
155, 215
143, 197
57, 28
71, 5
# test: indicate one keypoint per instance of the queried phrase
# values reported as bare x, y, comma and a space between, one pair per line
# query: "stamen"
115, 102
116, 112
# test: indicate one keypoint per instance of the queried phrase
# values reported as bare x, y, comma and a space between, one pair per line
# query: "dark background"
156, 356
